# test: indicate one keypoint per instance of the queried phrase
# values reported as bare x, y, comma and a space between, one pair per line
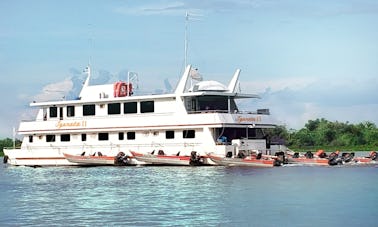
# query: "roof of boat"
104, 93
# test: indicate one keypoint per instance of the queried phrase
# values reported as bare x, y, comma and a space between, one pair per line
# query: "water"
188, 196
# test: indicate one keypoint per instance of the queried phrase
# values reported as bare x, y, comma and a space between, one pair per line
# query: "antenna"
90, 40
132, 77
186, 38
188, 16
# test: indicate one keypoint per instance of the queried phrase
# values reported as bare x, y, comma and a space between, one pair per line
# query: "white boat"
200, 116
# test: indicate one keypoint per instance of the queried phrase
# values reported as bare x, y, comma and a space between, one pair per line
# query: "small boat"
98, 159
162, 159
309, 159
250, 160
321, 158
371, 159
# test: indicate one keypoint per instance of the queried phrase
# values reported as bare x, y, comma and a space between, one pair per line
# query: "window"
131, 135
50, 138
114, 108
103, 136
89, 110
83, 137
147, 107
129, 107
188, 134
30, 139
65, 137
53, 111
70, 111
169, 134
121, 136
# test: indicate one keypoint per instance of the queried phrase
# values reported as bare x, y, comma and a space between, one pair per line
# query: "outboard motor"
285, 160
309, 154
122, 159
373, 155
195, 160
347, 157
5, 160
280, 159
333, 159
259, 155
242, 154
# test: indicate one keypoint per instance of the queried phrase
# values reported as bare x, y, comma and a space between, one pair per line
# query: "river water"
189, 196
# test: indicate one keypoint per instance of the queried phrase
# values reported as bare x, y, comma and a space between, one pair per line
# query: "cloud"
274, 85
195, 6
54, 91
70, 87
291, 8
295, 101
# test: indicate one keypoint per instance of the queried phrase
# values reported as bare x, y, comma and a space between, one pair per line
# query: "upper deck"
194, 103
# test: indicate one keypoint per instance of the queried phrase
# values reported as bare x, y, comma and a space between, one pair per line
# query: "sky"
306, 59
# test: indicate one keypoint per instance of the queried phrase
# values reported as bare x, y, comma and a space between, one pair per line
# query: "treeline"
324, 134
8, 143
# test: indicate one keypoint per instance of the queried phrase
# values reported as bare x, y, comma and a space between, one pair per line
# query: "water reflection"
186, 196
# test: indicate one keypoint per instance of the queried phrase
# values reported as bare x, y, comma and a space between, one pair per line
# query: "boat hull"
175, 160
19, 157
252, 162
309, 161
88, 160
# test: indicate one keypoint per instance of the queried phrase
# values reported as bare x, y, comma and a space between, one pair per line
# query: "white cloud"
294, 101
274, 85
54, 91
194, 6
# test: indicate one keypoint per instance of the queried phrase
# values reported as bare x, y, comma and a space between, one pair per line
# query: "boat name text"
61, 124
248, 119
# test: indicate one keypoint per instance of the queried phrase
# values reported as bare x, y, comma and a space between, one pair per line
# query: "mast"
186, 39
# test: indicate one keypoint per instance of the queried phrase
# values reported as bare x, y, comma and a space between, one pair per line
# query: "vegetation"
316, 134
7, 143
323, 134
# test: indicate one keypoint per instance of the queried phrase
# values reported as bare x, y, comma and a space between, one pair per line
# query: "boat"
319, 159
333, 159
250, 160
198, 115
371, 159
162, 159
98, 159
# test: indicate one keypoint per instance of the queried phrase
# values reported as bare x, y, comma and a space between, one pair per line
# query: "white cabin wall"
165, 106
101, 110
40, 115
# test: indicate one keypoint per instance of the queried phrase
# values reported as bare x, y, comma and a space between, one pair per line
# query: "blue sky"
307, 59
